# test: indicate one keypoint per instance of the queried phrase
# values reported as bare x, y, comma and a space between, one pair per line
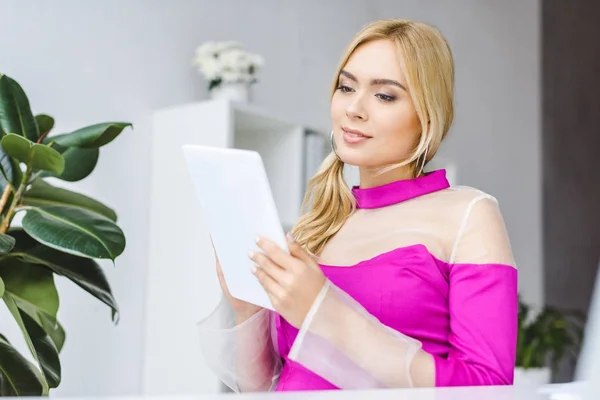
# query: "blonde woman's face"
374, 120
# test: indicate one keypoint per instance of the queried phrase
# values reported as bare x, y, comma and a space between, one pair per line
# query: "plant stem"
42, 137
16, 200
4, 198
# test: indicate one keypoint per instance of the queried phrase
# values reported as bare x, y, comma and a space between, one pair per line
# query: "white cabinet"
181, 286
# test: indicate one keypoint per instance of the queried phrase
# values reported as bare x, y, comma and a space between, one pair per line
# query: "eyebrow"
375, 81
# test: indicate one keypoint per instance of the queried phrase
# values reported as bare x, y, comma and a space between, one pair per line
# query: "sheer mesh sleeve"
344, 344
243, 356
482, 236
482, 301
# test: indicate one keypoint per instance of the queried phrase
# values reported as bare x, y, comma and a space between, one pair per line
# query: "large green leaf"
52, 327
30, 284
79, 162
32, 289
15, 113
45, 348
92, 136
40, 344
75, 231
42, 193
37, 156
84, 272
49, 324
18, 376
17, 146
45, 123
1, 287
7, 242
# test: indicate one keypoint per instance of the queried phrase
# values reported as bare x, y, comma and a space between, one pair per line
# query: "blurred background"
527, 130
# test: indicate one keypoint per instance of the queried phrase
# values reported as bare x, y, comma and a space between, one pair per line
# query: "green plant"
547, 337
62, 233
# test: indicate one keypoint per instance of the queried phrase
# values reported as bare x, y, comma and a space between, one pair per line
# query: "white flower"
206, 49
210, 68
227, 61
233, 59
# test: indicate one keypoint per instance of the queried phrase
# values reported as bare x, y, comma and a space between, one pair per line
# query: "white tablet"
238, 206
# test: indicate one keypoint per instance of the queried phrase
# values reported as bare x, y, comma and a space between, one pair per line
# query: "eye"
345, 89
385, 97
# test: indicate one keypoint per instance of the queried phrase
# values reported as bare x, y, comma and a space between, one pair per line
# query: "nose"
356, 108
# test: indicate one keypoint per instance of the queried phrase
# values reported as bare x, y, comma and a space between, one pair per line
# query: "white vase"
532, 377
238, 92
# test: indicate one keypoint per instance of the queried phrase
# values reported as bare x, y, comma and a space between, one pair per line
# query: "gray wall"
571, 140
87, 61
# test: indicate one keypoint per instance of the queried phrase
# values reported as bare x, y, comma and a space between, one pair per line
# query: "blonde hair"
428, 67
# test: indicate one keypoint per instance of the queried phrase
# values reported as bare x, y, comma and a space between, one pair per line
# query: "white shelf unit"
182, 287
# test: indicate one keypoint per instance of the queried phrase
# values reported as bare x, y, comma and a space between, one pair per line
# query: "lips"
355, 133
352, 136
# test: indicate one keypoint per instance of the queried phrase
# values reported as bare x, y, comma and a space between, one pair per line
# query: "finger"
276, 253
273, 289
299, 252
268, 266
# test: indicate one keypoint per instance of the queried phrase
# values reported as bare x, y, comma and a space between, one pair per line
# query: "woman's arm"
344, 344
483, 301
241, 352
239, 343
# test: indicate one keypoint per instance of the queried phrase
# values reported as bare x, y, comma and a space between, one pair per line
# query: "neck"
373, 177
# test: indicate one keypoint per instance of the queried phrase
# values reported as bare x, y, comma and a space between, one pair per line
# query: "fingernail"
290, 237
251, 254
254, 269
257, 240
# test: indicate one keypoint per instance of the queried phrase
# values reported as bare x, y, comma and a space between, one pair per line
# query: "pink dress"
418, 267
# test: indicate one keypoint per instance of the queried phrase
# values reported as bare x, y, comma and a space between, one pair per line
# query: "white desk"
466, 393
470, 393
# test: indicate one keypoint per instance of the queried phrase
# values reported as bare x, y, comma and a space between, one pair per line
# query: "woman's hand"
292, 281
242, 309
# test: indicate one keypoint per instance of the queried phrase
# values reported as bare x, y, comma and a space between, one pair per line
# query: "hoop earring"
333, 148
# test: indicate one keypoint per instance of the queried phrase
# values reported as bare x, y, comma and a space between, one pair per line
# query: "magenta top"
435, 266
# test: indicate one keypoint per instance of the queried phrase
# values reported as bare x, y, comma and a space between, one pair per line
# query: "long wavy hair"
428, 66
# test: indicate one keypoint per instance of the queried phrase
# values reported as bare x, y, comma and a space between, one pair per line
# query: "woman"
400, 282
